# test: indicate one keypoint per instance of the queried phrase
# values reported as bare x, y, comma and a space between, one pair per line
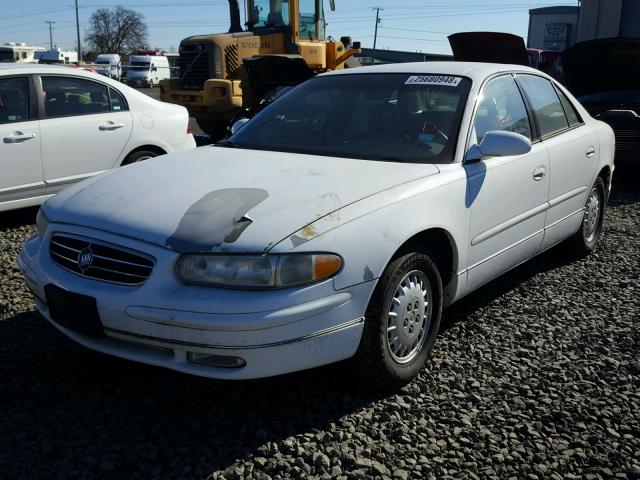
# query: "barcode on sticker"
433, 80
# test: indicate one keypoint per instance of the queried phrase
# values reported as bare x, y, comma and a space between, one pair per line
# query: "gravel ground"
537, 375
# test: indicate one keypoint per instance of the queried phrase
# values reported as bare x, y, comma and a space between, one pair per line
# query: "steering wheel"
431, 128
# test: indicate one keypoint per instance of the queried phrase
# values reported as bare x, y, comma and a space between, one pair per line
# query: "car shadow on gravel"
18, 218
57, 397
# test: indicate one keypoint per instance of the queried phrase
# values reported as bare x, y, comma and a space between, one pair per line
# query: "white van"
147, 70
109, 65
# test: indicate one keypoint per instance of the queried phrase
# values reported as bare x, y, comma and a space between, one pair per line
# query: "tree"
118, 30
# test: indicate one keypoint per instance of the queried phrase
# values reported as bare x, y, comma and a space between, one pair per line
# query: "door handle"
539, 173
107, 127
590, 152
19, 137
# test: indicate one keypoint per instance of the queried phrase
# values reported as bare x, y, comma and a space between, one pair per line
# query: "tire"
585, 240
381, 360
139, 156
151, 84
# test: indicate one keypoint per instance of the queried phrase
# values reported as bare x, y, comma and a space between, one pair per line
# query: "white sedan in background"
338, 223
59, 125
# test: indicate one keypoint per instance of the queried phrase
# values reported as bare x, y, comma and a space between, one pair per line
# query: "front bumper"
167, 324
219, 98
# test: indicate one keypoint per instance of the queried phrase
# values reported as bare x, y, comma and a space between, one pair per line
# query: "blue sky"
415, 25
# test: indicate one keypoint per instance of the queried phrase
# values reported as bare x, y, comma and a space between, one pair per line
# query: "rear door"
85, 127
573, 155
508, 195
20, 162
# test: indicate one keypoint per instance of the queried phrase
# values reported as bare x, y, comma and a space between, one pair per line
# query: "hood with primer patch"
224, 199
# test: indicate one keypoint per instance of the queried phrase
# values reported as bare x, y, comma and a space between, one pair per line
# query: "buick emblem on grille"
85, 259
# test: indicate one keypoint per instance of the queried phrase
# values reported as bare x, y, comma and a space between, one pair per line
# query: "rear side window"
569, 109
546, 104
65, 96
118, 103
501, 108
14, 100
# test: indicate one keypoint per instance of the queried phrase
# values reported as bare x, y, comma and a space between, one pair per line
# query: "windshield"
622, 96
392, 117
6, 56
140, 66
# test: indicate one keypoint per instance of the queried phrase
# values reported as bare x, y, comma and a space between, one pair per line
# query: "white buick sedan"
337, 223
59, 125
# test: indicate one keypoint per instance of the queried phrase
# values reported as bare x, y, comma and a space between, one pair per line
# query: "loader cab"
303, 19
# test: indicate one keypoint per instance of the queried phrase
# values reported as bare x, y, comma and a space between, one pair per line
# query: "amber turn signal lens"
326, 265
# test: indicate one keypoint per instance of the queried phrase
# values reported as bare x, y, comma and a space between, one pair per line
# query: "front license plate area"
74, 311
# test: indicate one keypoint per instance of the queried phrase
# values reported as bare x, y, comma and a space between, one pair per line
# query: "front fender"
368, 233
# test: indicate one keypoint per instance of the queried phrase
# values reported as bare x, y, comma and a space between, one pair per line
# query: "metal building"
557, 28
552, 28
608, 19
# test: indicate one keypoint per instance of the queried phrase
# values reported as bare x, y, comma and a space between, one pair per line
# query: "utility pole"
50, 34
78, 33
375, 36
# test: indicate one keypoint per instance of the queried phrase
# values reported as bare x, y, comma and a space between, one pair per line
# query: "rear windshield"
392, 117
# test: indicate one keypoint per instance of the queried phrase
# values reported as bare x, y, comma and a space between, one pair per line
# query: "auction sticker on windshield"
433, 80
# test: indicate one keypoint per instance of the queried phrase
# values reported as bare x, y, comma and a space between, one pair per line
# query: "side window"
14, 100
501, 108
117, 101
308, 20
569, 109
66, 96
546, 104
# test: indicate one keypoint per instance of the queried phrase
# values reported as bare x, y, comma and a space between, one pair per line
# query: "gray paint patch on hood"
214, 219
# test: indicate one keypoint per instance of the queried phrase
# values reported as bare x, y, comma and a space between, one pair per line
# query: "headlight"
257, 271
42, 222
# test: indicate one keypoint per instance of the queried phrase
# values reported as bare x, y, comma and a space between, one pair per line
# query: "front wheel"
586, 239
401, 322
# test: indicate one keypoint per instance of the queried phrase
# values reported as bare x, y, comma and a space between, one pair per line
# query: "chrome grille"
109, 263
194, 66
627, 140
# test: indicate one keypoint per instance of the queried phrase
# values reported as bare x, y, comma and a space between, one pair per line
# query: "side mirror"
499, 144
237, 125
154, 69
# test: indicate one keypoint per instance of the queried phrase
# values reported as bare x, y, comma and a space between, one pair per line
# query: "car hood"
609, 64
492, 47
224, 199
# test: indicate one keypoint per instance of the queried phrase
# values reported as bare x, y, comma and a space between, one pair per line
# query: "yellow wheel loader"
223, 74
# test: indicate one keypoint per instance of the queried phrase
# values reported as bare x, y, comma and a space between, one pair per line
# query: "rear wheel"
586, 239
139, 156
401, 322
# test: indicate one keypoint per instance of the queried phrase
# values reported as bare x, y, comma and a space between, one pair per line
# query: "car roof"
42, 68
473, 70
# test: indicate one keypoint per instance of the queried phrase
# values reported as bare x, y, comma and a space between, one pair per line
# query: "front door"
507, 196
20, 162
84, 130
